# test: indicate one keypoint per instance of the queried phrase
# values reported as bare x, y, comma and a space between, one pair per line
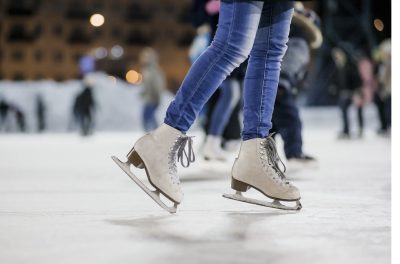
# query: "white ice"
63, 200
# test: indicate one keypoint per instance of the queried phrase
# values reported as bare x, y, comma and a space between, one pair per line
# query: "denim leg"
237, 27
262, 75
229, 96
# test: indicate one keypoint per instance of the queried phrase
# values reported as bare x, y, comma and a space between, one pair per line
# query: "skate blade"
275, 204
155, 195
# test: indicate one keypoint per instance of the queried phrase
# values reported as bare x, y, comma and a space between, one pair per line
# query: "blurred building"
43, 39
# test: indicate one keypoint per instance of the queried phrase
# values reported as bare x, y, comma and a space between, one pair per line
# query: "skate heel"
135, 160
239, 186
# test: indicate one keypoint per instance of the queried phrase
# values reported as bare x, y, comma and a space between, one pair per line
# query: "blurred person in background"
4, 110
20, 118
84, 108
40, 113
305, 34
382, 97
350, 88
153, 85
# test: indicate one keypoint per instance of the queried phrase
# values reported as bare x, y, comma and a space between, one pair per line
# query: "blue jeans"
245, 28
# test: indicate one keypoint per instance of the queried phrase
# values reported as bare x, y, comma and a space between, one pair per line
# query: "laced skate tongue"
274, 157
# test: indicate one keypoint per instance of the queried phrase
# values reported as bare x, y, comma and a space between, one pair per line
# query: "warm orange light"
133, 77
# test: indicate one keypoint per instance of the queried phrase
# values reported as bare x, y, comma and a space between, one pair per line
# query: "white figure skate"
212, 149
157, 153
257, 167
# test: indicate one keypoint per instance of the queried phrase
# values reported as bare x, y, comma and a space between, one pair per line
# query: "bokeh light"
378, 24
117, 51
133, 77
97, 20
100, 53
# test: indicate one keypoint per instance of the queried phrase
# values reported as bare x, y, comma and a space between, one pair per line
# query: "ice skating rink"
63, 200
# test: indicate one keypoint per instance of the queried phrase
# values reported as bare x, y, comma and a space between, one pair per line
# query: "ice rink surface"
63, 200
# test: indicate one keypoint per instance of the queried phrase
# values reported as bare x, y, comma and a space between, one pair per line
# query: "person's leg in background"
388, 110
380, 105
153, 116
221, 112
344, 105
86, 124
360, 118
232, 134
148, 117
286, 122
145, 117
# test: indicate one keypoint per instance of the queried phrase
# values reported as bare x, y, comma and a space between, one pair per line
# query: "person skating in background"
369, 84
305, 34
382, 97
4, 110
256, 28
220, 110
84, 108
153, 85
381, 108
40, 113
349, 83
20, 118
